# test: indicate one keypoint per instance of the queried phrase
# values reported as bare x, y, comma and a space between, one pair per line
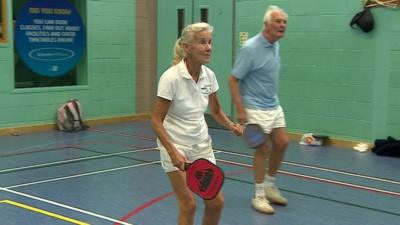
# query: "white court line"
8, 189
342, 172
318, 168
321, 179
66, 206
72, 160
82, 174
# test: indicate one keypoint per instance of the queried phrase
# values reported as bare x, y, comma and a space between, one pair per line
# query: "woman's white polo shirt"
184, 122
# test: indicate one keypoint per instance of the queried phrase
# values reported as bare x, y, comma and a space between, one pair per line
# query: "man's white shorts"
191, 152
267, 119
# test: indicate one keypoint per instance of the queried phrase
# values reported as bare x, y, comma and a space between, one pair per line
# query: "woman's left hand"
237, 129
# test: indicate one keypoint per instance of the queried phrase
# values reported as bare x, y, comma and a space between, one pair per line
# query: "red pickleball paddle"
204, 178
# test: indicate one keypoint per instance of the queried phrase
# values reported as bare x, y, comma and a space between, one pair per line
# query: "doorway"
173, 15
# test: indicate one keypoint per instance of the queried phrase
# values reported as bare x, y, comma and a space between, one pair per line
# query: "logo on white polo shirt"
206, 89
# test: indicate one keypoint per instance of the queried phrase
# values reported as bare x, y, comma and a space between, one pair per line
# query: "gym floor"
110, 175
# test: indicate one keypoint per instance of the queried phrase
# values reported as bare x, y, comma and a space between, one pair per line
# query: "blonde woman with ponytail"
185, 90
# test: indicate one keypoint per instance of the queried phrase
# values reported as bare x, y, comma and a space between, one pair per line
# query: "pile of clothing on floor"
387, 147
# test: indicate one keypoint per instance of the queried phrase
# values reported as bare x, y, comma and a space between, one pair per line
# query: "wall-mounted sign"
50, 36
243, 37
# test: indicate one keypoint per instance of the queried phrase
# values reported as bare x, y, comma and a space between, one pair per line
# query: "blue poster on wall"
50, 36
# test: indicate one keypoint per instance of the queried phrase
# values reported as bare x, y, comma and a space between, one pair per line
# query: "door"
173, 15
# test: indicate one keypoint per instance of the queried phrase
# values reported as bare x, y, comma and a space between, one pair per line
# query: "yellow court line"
47, 213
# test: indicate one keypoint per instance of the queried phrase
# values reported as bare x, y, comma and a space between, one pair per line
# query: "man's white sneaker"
274, 196
261, 204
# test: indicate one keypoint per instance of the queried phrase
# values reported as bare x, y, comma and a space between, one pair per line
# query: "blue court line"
104, 155
114, 169
126, 167
123, 134
244, 155
60, 144
83, 174
322, 198
17, 152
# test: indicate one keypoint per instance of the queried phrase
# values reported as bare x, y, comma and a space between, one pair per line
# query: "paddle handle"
186, 166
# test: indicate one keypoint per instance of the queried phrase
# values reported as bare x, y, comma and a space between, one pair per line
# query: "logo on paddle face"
204, 177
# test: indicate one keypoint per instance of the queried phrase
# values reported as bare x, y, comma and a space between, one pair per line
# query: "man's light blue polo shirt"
257, 67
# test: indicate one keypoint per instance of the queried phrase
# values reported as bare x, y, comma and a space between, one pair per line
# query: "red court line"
162, 197
144, 206
247, 169
341, 183
121, 134
355, 186
244, 171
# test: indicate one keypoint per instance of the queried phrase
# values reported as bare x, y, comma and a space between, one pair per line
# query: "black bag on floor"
388, 147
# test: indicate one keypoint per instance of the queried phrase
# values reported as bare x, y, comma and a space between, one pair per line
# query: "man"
253, 84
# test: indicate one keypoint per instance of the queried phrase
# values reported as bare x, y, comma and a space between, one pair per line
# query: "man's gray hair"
270, 10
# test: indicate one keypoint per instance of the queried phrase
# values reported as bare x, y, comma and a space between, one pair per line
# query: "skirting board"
138, 117
16, 131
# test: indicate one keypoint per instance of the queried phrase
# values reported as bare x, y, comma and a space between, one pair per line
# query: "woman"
185, 91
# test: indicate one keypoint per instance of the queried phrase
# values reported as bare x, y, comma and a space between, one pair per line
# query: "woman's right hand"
178, 160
